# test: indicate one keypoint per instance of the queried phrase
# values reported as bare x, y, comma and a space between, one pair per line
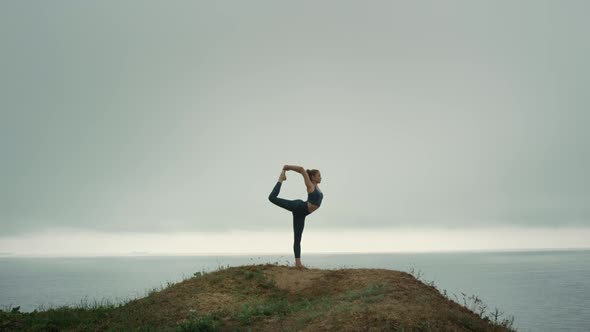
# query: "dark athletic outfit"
299, 210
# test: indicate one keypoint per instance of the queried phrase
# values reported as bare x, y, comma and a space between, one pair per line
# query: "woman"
299, 208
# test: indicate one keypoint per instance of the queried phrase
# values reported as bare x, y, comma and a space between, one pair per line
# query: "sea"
543, 290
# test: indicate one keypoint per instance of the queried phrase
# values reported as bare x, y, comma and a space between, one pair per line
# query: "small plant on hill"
200, 273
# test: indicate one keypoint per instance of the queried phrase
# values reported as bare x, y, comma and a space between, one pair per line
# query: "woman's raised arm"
297, 169
301, 170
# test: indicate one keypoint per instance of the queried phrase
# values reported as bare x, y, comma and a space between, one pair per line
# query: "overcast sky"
168, 117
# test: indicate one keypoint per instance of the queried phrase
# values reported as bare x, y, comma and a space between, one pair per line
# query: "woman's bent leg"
298, 224
284, 203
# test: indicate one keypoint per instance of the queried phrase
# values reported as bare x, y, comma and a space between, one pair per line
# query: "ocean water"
543, 290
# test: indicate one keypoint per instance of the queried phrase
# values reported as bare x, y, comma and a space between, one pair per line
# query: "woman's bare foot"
283, 176
299, 265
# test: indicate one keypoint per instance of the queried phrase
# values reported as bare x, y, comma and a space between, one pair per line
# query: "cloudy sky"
148, 126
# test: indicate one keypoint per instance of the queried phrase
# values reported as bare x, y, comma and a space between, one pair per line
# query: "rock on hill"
274, 298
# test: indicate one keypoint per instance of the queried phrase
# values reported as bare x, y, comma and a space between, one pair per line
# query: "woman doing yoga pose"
299, 208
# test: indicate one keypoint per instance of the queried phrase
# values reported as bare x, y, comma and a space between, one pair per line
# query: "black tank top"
315, 197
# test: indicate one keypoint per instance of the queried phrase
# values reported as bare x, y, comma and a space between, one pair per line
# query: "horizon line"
177, 254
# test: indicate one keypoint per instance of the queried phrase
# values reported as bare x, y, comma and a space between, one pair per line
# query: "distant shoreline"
147, 254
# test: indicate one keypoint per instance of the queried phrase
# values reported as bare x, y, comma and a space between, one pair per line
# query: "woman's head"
314, 175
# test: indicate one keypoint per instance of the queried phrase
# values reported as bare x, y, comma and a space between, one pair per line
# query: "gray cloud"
158, 117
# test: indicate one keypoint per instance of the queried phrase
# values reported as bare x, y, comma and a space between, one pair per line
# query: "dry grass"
271, 297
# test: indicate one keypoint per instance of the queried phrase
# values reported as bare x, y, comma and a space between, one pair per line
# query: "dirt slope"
276, 298
281, 298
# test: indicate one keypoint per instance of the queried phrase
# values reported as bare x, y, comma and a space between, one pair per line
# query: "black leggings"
299, 210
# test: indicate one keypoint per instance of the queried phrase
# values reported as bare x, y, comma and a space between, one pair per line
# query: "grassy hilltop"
271, 297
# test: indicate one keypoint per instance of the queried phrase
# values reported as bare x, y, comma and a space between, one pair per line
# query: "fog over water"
125, 121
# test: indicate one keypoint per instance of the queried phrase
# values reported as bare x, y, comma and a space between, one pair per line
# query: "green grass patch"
250, 312
205, 323
372, 293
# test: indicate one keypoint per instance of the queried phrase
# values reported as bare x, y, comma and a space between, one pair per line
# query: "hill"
272, 297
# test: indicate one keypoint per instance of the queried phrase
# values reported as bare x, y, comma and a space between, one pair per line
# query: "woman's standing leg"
298, 225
